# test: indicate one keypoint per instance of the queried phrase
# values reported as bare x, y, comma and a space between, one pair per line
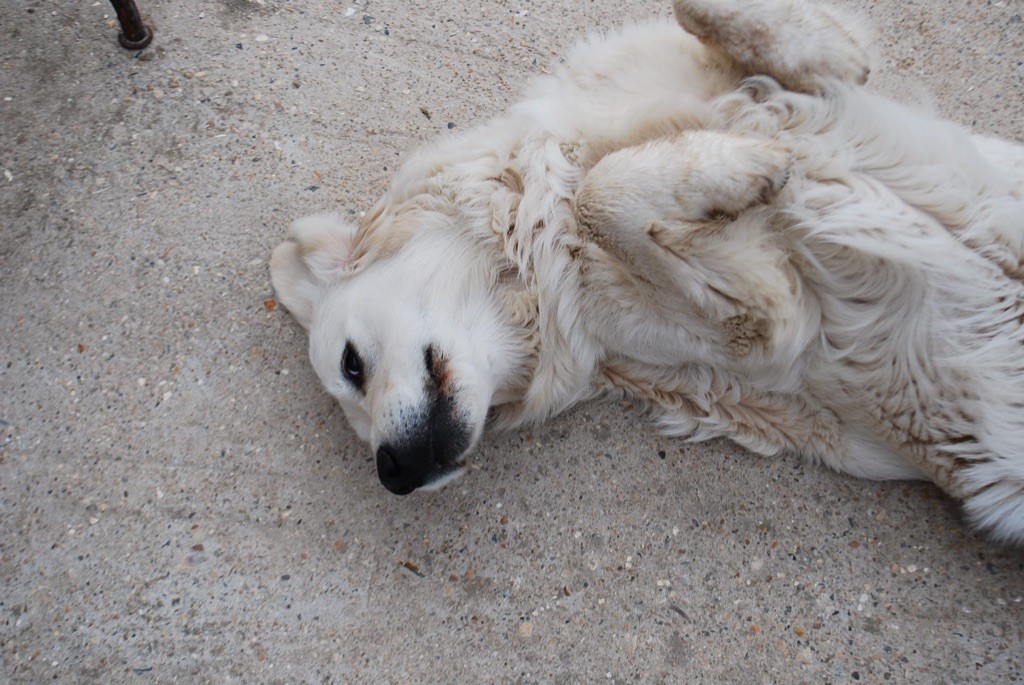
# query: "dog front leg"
691, 180
665, 211
802, 44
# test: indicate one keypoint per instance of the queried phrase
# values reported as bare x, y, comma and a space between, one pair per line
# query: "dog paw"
693, 177
735, 174
803, 45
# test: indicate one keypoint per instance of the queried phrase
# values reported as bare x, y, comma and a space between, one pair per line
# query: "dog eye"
352, 366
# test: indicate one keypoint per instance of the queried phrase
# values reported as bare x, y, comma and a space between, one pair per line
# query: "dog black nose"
396, 477
427, 450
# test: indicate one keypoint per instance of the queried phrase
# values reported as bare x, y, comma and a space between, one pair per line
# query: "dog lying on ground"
717, 220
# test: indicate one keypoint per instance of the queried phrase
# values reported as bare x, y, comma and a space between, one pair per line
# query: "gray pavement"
180, 502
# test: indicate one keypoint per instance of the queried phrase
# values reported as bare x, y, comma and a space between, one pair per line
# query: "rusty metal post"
134, 35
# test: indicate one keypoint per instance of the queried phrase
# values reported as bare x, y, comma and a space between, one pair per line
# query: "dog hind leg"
802, 44
698, 402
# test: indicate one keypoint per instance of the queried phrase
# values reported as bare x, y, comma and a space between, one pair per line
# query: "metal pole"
134, 35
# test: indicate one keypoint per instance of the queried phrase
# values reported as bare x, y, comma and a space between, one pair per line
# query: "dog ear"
327, 244
293, 282
320, 252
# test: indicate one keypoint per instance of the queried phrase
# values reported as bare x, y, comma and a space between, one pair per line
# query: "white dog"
719, 221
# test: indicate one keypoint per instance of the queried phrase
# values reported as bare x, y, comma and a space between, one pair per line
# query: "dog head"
406, 336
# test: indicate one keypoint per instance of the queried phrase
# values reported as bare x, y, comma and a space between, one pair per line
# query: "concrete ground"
180, 502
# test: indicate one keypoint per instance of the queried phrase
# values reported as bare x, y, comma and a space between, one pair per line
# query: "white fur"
734, 231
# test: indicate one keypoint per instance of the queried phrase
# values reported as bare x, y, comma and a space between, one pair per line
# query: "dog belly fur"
888, 272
